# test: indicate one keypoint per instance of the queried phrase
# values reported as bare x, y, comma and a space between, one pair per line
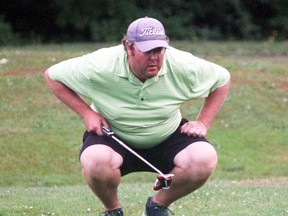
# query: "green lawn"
40, 138
216, 198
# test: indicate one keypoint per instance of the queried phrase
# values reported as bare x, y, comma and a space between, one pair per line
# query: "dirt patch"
246, 82
282, 85
23, 72
262, 182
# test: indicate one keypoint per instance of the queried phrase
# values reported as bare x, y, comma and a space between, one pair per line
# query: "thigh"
101, 150
162, 156
91, 139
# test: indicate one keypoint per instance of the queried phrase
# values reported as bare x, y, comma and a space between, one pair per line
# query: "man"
136, 90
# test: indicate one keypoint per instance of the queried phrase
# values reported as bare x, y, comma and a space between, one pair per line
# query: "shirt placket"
142, 97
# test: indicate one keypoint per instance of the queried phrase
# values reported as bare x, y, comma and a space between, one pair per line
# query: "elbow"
47, 78
227, 85
224, 89
50, 83
46, 75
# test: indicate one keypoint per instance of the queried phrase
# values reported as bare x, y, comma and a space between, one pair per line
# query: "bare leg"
194, 165
100, 169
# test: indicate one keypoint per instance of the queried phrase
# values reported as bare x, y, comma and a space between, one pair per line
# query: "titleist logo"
151, 31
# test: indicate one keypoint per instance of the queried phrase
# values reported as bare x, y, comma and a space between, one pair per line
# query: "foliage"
6, 34
107, 20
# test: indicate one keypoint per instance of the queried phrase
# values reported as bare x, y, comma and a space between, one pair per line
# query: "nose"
154, 55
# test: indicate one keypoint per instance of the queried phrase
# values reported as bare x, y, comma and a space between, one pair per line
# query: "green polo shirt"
141, 114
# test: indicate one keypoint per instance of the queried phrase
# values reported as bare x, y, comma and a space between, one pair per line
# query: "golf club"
163, 181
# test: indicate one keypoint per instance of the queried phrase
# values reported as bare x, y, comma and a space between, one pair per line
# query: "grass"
40, 137
216, 198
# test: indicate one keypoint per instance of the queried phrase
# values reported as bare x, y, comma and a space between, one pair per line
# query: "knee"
96, 160
199, 159
211, 165
92, 164
206, 160
209, 158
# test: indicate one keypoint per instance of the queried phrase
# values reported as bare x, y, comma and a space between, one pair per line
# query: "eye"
158, 50
155, 51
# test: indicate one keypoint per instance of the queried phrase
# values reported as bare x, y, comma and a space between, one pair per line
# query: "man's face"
145, 65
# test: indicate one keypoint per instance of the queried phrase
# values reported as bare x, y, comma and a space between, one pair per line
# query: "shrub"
6, 34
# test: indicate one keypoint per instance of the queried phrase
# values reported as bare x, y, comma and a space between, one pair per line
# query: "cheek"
161, 58
141, 61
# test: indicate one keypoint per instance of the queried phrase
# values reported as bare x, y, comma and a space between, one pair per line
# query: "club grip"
106, 131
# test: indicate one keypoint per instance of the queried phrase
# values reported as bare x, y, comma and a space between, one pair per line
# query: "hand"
194, 128
93, 122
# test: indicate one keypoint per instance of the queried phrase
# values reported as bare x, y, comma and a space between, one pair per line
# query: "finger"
102, 123
105, 124
191, 132
195, 132
185, 128
200, 133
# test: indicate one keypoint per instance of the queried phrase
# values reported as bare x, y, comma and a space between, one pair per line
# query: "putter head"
163, 182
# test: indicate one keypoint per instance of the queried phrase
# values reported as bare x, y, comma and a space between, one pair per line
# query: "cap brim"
145, 46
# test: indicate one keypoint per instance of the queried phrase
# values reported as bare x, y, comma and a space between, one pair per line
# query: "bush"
107, 20
6, 35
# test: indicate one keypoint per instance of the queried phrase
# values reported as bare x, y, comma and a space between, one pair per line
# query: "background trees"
107, 20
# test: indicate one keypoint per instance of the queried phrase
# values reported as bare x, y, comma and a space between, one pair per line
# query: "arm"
91, 119
209, 110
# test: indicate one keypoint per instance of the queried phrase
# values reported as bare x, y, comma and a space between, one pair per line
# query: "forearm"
67, 96
212, 105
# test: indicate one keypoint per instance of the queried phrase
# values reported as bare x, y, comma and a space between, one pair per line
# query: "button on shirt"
141, 114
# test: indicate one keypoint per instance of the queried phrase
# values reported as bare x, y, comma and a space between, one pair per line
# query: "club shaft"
136, 154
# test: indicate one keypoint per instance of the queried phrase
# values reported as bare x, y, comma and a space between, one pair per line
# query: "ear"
125, 45
129, 49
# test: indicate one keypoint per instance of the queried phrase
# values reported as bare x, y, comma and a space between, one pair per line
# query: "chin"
152, 74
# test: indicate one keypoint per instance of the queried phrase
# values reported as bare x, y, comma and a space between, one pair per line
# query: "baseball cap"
147, 33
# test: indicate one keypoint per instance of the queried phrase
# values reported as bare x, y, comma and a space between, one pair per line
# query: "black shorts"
161, 156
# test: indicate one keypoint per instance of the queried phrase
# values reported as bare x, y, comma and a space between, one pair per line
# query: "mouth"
152, 67
152, 70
